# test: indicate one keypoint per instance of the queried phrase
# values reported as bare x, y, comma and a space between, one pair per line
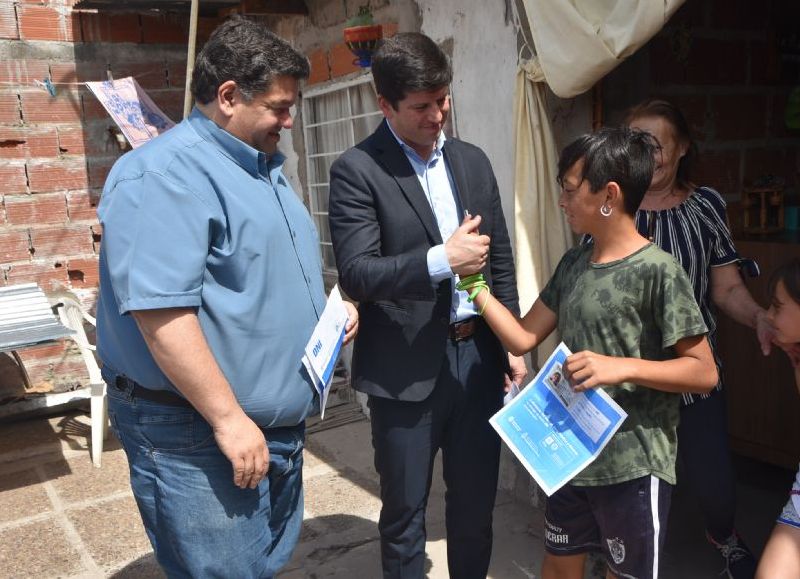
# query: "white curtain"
541, 234
579, 41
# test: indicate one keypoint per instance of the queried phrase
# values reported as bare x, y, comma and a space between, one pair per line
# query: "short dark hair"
409, 62
789, 274
672, 114
619, 154
247, 53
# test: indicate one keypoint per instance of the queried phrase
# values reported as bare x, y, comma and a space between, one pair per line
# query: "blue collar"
250, 159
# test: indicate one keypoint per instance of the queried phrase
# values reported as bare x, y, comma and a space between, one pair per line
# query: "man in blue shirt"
210, 287
434, 372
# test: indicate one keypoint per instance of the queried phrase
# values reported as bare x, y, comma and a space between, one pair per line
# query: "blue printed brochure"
554, 431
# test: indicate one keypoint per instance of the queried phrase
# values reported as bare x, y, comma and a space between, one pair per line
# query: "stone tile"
83, 481
37, 549
334, 494
112, 531
144, 567
22, 495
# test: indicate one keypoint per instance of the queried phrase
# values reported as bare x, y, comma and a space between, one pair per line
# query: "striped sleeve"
723, 250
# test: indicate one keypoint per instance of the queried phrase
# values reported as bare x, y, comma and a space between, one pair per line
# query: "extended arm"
693, 370
731, 296
518, 336
176, 340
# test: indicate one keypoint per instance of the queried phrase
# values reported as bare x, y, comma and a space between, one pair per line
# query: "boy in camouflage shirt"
627, 309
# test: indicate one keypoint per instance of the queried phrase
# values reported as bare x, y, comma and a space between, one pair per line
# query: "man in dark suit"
433, 370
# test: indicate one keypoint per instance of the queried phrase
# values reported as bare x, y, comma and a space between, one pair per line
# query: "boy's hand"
588, 370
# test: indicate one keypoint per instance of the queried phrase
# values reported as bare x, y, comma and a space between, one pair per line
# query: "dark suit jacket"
382, 227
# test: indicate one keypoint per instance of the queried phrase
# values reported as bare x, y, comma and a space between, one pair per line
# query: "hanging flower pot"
362, 36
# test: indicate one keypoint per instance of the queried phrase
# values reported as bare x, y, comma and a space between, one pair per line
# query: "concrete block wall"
727, 64
56, 151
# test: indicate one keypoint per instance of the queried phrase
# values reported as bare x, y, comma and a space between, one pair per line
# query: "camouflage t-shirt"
636, 307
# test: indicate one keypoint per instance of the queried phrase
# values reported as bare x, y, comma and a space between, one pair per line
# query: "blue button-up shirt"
197, 218
440, 190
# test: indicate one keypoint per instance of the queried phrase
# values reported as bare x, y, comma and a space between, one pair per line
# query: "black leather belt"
464, 329
160, 396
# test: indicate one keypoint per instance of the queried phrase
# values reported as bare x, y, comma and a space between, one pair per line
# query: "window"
335, 117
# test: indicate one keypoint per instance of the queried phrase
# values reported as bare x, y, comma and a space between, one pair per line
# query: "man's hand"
351, 329
517, 371
243, 443
467, 250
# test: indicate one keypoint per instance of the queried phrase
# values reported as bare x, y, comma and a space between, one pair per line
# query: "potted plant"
362, 36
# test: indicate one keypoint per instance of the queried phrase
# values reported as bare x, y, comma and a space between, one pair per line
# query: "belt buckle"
460, 331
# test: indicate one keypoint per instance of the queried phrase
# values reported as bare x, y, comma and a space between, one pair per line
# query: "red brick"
13, 178
765, 67
92, 109
778, 161
36, 209
57, 175
46, 273
9, 109
71, 140
44, 351
690, 14
16, 71
125, 28
149, 75
739, 116
82, 205
61, 241
41, 23
99, 169
320, 71
341, 60
707, 61
167, 29
8, 21
95, 27
84, 273
205, 26
176, 72
14, 246
719, 169
40, 107
170, 101
26, 142
738, 15
777, 121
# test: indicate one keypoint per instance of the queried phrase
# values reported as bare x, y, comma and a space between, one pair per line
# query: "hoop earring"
605, 210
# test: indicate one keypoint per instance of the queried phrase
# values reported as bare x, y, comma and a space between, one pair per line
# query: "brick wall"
727, 64
55, 151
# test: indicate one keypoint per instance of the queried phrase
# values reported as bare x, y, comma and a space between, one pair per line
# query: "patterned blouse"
696, 233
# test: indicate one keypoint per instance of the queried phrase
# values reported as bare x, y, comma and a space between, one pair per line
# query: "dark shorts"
626, 521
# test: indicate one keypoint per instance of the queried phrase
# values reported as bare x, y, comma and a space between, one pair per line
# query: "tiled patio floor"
60, 517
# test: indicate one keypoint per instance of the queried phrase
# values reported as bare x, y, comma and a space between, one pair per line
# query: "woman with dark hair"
689, 222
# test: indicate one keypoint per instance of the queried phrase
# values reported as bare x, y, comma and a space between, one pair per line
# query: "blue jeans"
199, 523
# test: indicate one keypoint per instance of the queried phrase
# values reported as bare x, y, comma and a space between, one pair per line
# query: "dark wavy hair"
409, 62
673, 115
789, 274
247, 53
620, 154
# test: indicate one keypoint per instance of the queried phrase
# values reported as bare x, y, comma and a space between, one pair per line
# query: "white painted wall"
484, 73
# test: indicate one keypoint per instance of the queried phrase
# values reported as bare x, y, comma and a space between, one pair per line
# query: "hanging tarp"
578, 42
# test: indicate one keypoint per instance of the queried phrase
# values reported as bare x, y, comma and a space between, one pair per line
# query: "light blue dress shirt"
440, 190
198, 218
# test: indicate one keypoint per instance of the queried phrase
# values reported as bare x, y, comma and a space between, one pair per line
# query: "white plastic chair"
72, 316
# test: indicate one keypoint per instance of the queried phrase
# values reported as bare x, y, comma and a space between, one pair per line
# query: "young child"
627, 311
781, 558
